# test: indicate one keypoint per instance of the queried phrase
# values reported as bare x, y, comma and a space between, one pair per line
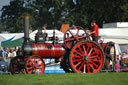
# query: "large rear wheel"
86, 57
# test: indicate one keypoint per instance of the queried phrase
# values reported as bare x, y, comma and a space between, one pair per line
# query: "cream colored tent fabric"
118, 35
50, 34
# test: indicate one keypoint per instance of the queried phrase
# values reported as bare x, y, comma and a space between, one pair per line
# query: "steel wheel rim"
35, 65
86, 57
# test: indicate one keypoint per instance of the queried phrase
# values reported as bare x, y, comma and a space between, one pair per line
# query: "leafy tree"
12, 14
50, 12
56, 12
1, 27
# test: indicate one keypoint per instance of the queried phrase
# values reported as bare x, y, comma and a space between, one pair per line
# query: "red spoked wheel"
86, 57
73, 35
35, 65
17, 65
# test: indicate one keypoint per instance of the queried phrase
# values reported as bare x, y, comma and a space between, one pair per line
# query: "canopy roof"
118, 35
17, 42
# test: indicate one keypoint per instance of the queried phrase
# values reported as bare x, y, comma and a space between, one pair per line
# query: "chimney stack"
26, 28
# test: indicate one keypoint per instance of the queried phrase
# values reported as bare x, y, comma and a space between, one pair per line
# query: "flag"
74, 1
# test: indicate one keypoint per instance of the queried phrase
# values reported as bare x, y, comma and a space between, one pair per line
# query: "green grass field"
107, 78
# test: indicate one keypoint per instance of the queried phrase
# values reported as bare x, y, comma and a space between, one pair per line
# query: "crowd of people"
6, 54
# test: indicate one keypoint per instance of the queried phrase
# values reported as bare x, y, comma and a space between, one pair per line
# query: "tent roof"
50, 34
118, 35
10, 35
17, 42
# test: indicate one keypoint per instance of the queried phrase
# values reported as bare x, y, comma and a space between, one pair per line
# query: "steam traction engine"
79, 54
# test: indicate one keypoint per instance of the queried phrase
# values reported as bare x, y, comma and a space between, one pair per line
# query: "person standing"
19, 52
5, 53
12, 53
125, 57
39, 32
4, 62
94, 31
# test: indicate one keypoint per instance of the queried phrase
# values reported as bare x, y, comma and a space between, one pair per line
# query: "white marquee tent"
50, 34
118, 35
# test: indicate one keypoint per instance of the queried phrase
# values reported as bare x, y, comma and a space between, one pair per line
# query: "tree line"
57, 12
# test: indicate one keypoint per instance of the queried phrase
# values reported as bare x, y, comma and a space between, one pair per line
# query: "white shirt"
125, 56
12, 54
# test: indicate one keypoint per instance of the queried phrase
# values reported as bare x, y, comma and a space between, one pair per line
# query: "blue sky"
2, 3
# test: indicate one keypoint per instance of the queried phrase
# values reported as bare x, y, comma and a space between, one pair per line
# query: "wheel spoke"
93, 57
29, 64
81, 66
84, 69
30, 60
78, 53
69, 40
77, 64
77, 60
39, 68
71, 33
38, 61
34, 60
76, 56
94, 64
93, 53
40, 64
90, 51
81, 37
29, 67
85, 52
75, 27
80, 50
30, 71
92, 67
88, 68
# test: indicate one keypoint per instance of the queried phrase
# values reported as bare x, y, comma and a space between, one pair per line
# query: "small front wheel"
35, 65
